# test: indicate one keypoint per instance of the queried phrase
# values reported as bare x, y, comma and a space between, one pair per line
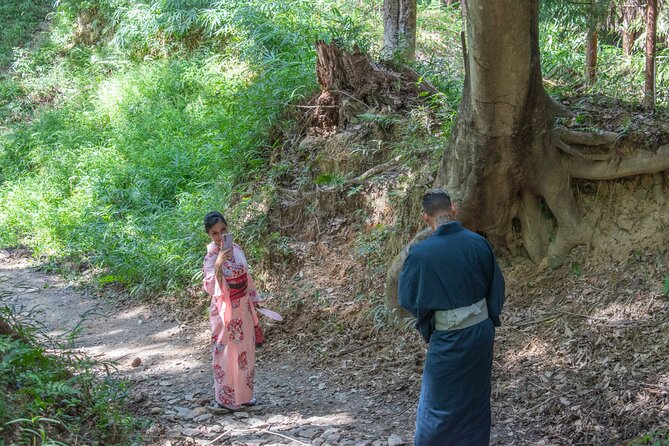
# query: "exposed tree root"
641, 162
534, 234
562, 138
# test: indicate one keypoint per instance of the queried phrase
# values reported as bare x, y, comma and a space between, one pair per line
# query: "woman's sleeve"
209, 281
219, 291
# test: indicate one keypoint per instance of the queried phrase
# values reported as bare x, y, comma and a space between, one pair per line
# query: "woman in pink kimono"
233, 318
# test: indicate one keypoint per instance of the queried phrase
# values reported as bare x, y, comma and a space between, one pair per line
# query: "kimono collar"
449, 228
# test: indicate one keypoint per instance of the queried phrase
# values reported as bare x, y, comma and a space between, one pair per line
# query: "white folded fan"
270, 314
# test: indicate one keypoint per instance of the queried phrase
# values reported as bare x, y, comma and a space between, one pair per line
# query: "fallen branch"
257, 431
534, 322
652, 386
374, 171
285, 436
355, 349
7, 330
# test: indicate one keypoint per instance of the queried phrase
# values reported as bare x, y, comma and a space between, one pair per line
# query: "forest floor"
581, 359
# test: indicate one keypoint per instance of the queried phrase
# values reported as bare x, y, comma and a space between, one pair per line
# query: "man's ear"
425, 217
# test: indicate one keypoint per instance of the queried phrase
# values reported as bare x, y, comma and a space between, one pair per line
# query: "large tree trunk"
651, 36
507, 164
399, 29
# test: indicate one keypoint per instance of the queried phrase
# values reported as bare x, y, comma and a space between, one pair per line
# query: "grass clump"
20, 19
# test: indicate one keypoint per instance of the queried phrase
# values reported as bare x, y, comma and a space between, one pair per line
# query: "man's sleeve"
495, 299
410, 296
408, 286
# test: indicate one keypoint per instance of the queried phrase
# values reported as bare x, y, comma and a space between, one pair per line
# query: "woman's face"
216, 232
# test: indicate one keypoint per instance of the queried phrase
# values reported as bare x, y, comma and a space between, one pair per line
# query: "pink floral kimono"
233, 317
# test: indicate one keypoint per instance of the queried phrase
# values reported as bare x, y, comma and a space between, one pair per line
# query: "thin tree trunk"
627, 34
651, 35
399, 29
591, 55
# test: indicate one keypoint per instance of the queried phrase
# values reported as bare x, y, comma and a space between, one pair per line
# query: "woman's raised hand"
222, 257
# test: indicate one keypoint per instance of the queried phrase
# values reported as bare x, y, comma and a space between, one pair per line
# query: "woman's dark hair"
211, 219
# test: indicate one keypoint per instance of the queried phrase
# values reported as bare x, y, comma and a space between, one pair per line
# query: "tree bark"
591, 56
351, 83
628, 12
399, 29
651, 37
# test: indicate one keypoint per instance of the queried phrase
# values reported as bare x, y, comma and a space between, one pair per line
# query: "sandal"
219, 409
251, 402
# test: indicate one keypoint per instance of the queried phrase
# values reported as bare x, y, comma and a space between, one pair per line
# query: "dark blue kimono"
453, 268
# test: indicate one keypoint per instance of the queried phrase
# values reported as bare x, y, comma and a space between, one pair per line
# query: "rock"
165, 383
277, 419
364, 443
257, 423
199, 411
188, 432
308, 433
156, 410
138, 397
184, 412
395, 440
202, 418
136, 362
173, 401
241, 415
334, 438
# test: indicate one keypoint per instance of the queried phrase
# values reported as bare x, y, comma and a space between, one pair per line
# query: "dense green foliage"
124, 169
19, 19
56, 396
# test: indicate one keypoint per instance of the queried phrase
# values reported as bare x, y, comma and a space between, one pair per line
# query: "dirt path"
298, 404
581, 359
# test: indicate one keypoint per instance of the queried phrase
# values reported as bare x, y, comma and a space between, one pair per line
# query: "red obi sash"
238, 286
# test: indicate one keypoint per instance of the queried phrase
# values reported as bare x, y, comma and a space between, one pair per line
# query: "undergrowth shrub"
54, 395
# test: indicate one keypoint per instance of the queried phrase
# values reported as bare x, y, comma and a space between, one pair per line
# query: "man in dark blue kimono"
453, 286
